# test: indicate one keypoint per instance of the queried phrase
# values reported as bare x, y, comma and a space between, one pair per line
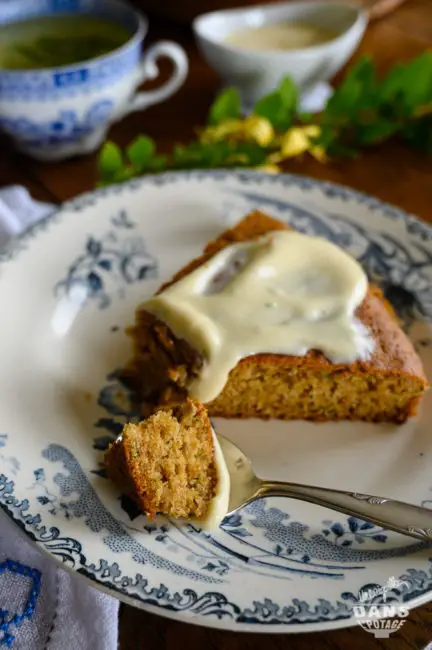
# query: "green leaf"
226, 106
110, 161
419, 134
279, 106
272, 108
327, 137
158, 163
357, 91
252, 153
375, 132
188, 157
288, 92
125, 174
217, 154
305, 118
120, 176
408, 86
140, 152
405, 88
392, 86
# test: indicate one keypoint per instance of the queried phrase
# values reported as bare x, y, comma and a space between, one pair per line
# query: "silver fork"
246, 487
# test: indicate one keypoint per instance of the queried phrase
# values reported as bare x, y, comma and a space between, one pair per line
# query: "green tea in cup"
51, 41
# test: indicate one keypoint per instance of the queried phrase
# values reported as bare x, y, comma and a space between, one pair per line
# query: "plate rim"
195, 619
91, 198
15, 246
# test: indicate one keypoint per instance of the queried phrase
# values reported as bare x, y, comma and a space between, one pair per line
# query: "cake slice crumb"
166, 463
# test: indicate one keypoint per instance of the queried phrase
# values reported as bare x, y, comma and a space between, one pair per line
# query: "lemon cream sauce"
219, 504
284, 293
281, 36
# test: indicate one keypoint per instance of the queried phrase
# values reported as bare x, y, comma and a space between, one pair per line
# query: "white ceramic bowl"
256, 73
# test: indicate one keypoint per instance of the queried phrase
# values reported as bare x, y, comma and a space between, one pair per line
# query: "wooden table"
391, 173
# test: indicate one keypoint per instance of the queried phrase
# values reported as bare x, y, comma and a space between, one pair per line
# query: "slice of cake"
171, 464
385, 382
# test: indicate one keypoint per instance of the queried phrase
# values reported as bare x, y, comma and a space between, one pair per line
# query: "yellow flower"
238, 158
258, 129
297, 141
221, 131
319, 153
252, 128
270, 168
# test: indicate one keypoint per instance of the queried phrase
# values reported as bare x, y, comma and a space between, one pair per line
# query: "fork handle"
401, 517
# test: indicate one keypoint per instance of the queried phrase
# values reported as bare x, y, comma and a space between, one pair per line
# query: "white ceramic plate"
70, 286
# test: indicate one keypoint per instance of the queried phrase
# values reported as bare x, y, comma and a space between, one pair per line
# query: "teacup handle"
148, 69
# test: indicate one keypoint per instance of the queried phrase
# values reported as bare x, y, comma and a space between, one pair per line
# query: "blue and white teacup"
55, 113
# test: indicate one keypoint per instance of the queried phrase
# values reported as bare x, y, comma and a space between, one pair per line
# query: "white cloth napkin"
50, 609
315, 100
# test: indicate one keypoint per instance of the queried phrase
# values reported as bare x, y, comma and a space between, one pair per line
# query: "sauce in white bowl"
281, 36
234, 43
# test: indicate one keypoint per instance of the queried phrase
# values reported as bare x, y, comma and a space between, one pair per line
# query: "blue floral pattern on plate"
108, 261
